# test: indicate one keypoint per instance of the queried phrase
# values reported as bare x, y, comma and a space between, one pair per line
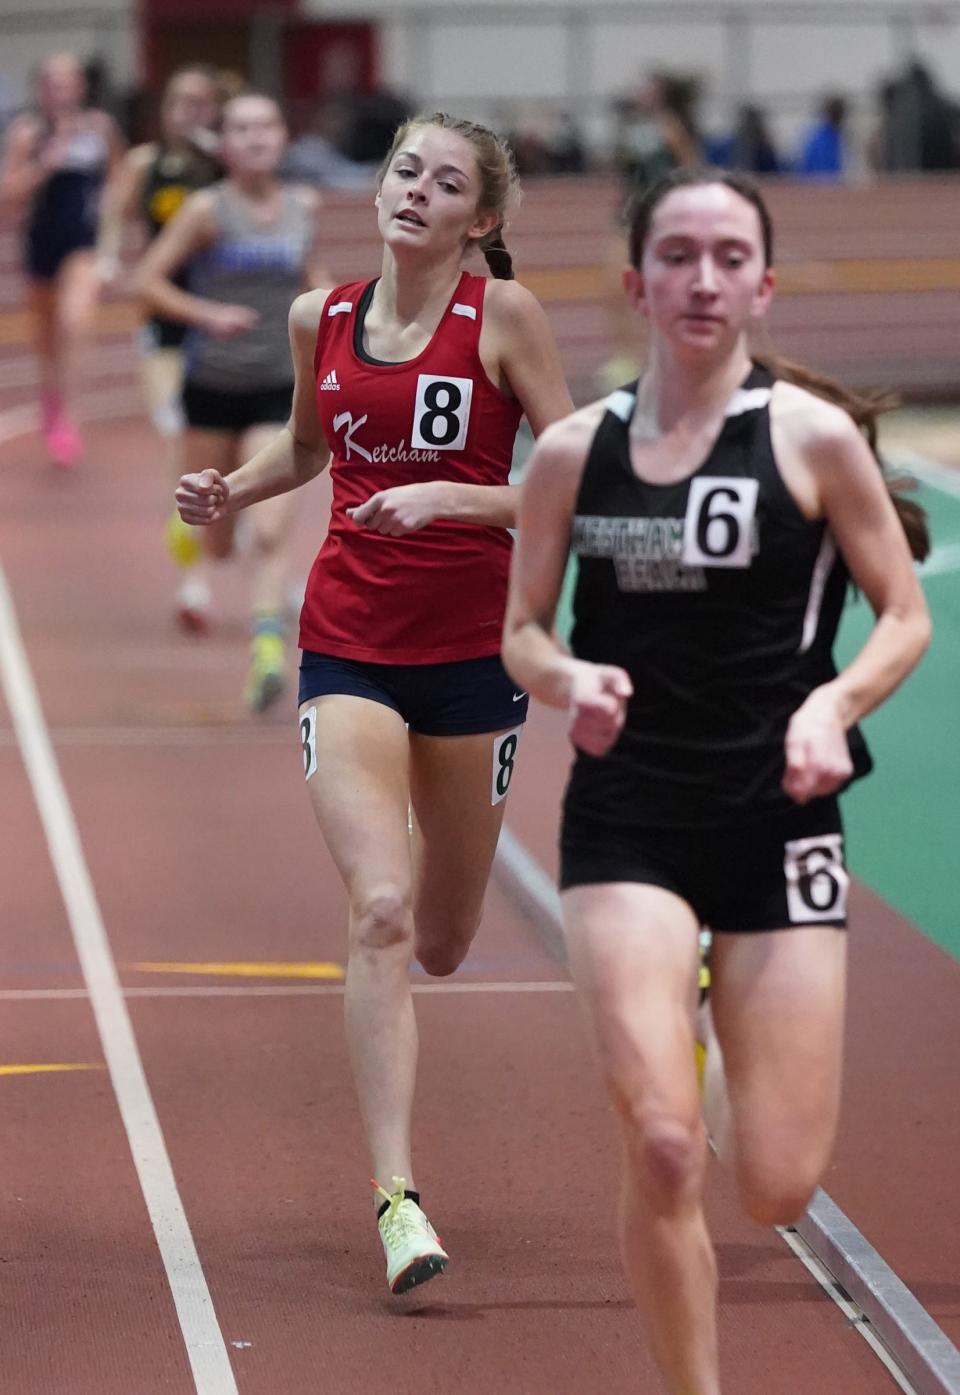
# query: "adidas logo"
330, 383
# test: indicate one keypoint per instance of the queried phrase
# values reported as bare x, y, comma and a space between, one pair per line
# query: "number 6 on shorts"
817, 881
504, 758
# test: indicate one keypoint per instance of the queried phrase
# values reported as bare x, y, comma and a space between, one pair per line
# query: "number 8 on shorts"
504, 760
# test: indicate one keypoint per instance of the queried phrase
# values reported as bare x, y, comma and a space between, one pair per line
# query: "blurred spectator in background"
101, 89
877, 147
317, 155
546, 142
919, 124
752, 148
655, 130
373, 121
823, 148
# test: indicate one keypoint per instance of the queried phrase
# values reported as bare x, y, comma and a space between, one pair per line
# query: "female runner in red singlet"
415, 384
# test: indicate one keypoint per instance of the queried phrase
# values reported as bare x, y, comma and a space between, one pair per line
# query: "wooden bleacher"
869, 277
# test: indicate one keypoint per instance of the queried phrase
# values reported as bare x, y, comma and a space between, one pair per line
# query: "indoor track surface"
184, 1202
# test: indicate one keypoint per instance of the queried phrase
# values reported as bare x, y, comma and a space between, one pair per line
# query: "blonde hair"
499, 182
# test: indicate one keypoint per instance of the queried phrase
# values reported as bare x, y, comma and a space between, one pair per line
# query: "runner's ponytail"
498, 258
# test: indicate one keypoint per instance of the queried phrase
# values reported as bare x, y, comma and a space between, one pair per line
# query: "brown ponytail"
498, 258
863, 408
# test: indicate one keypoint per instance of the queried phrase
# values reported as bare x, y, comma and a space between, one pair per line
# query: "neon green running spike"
183, 542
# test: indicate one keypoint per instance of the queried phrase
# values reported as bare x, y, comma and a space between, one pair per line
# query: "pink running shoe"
63, 442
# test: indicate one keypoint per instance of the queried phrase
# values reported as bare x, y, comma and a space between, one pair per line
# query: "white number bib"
504, 761
308, 740
817, 881
718, 528
442, 413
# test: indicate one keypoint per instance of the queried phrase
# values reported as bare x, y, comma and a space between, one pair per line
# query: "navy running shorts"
156, 333
784, 871
207, 409
47, 248
461, 698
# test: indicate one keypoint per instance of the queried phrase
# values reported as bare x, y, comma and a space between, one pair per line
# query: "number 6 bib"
718, 528
442, 413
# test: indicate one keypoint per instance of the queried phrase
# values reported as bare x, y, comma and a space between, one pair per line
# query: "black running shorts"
784, 871
206, 409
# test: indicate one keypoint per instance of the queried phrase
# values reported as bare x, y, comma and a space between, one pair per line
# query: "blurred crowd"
339, 143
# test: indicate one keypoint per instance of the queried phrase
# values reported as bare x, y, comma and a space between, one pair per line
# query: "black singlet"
722, 603
171, 177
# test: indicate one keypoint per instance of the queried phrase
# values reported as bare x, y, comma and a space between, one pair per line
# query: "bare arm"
517, 344
317, 273
22, 171
188, 232
862, 519
120, 205
295, 456
594, 694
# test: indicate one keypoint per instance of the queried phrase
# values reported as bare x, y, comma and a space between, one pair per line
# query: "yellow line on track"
248, 970
49, 1069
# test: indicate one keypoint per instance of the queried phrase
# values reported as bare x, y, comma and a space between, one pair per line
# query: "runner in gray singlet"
249, 245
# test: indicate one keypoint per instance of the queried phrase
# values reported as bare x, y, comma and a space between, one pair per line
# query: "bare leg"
43, 308
360, 794
633, 953
455, 838
78, 288
205, 450
271, 522
778, 1005
213, 450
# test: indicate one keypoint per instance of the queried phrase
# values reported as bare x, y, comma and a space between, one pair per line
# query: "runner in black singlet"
717, 509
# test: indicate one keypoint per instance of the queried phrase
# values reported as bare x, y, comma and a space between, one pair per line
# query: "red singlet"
438, 594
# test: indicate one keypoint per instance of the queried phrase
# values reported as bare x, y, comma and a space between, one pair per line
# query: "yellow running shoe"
183, 542
414, 1254
267, 677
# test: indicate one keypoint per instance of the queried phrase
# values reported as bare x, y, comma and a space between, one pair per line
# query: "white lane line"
204, 734
304, 990
95, 406
854, 1315
204, 1341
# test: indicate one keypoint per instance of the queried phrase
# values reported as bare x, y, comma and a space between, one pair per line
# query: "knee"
667, 1151
440, 961
380, 920
442, 945
775, 1197
266, 543
220, 549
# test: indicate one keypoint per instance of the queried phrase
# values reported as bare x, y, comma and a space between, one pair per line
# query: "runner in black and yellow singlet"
150, 187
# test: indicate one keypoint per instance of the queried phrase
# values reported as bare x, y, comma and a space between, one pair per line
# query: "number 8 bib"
442, 413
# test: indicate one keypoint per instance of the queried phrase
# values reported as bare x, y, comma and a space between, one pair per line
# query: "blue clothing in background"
822, 151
